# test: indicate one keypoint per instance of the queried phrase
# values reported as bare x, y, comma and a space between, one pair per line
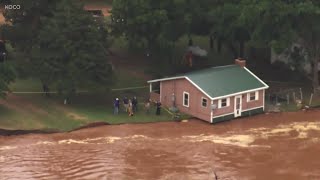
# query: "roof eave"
166, 79
241, 92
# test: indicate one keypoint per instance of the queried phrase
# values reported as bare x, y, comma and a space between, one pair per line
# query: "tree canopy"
60, 43
69, 51
264, 23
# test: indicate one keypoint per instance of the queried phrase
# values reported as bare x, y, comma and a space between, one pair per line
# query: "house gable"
180, 87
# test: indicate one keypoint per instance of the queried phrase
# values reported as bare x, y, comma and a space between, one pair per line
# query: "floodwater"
273, 146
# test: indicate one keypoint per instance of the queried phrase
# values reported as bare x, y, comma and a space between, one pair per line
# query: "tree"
25, 23
228, 27
280, 23
138, 20
69, 50
7, 75
22, 30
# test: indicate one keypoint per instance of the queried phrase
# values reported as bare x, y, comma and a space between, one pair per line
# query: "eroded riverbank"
274, 146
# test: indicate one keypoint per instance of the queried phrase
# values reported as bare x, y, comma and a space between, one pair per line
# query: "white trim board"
166, 79
211, 113
213, 117
160, 96
199, 88
222, 115
252, 109
238, 93
264, 91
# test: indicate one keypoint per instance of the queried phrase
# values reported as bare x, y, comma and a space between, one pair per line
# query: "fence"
288, 93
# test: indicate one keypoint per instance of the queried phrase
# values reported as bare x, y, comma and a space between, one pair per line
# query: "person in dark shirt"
158, 104
135, 104
126, 103
116, 106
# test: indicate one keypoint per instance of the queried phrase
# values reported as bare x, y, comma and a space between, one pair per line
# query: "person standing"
135, 104
116, 105
211, 42
126, 103
147, 106
158, 104
130, 111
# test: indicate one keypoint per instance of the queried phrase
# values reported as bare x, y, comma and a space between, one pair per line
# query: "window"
224, 102
253, 96
204, 102
185, 99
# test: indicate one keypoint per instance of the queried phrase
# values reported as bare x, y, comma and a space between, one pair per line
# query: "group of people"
131, 106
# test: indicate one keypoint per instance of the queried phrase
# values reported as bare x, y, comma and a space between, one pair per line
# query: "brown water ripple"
284, 146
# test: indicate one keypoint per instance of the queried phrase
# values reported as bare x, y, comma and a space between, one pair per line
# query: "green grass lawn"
34, 111
26, 85
126, 79
98, 2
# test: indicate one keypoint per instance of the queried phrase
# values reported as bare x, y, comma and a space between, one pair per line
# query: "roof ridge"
209, 68
224, 66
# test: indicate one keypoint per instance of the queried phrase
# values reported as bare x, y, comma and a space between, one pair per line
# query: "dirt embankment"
6, 132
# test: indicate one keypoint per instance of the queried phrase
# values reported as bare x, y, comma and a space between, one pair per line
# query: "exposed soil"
105, 9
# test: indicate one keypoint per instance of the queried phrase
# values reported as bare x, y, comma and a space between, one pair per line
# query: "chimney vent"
241, 62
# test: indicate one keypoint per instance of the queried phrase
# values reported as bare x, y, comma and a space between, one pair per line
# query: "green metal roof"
223, 80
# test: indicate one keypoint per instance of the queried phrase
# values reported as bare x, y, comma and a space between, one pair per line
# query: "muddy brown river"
273, 146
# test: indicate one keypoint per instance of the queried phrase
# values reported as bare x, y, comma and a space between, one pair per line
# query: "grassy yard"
34, 111
97, 2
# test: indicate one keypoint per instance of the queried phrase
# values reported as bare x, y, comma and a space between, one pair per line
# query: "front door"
237, 106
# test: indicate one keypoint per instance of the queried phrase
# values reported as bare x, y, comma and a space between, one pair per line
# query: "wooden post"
301, 94
310, 99
288, 100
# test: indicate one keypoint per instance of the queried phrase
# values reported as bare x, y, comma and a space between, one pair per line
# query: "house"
215, 94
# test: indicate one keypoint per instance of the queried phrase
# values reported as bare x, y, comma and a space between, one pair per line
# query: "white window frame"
220, 103
203, 98
256, 98
183, 99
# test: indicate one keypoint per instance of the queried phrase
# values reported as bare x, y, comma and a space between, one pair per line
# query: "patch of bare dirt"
105, 9
76, 116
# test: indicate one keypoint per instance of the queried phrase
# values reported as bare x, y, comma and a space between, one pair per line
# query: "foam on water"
7, 147
236, 140
302, 128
